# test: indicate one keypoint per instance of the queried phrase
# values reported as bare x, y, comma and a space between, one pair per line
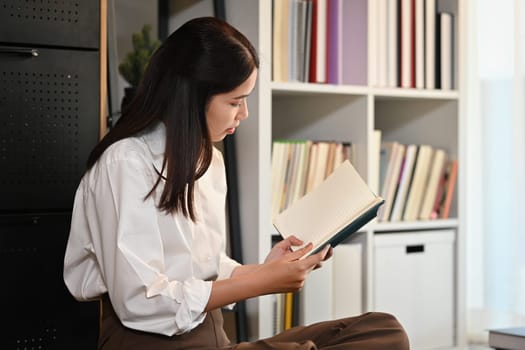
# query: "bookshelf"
281, 110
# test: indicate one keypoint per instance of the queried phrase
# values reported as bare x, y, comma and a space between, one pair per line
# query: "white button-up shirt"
156, 267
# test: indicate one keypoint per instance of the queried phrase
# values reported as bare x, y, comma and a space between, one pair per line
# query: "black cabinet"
49, 121
36, 307
71, 23
49, 105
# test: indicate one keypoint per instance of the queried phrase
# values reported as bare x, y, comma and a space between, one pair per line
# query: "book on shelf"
321, 163
333, 42
390, 181
406, 44
353, 38
445, 192
507, 338
375, 159
285, 306
450, 184
279, 164
436, 173
382, 46
280, 40
383, 32
298, 33
318, 45
338, 207
293, 32
302, 148
446, 43
386, 156
278, 312
298, 28
405, 179
288, 310
411, 42
415, 39
373, 38
298, 166
392, 44
311, 39
307, 42
430, 44
419, 182
419, 44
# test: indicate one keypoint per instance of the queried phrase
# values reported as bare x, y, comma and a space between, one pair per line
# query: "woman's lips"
232, 130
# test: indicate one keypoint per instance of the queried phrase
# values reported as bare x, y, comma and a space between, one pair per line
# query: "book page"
336, 202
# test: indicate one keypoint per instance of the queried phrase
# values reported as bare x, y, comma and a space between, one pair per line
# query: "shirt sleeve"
81, 272
226, 267
131, 253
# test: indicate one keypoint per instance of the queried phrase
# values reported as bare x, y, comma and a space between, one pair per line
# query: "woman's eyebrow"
241, 97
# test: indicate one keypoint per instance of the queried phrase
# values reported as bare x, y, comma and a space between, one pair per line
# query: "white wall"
125, 17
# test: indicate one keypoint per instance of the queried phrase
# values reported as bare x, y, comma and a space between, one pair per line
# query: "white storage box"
334, 290
414, 281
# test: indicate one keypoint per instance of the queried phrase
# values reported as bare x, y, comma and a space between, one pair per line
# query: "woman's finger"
294, 241
297, 254
315, 260
329, 253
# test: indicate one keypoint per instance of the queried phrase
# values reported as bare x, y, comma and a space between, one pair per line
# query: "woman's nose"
243, 111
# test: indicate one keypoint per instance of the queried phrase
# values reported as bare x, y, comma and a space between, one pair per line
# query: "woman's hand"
283, 247
328, 255
284, 271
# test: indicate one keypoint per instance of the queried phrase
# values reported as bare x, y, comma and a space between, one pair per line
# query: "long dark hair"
204, 57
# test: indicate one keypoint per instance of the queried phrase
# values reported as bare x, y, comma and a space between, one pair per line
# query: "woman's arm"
281, 272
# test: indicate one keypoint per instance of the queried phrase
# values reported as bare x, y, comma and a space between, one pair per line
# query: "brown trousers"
370, 331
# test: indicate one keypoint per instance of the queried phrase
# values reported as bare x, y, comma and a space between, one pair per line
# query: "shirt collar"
155, 138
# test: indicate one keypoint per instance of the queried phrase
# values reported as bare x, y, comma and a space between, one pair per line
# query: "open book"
338, 207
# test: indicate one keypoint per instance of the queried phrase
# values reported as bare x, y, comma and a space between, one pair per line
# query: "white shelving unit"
341, 113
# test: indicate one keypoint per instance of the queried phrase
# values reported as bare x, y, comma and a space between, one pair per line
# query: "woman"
148, 228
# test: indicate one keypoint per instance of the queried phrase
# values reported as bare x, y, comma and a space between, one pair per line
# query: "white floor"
478, 347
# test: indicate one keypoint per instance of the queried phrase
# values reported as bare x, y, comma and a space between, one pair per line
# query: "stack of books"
412, 43
416, 181
507, 338
298, 166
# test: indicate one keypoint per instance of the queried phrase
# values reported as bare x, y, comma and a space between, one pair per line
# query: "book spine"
354, 42
406, 44
392, 42
430, 43
449, 191
420, 44
446, 40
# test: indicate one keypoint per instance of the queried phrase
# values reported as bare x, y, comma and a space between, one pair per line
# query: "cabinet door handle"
419, 248
19, 51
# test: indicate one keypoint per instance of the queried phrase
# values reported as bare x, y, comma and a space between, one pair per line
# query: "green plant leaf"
134, 65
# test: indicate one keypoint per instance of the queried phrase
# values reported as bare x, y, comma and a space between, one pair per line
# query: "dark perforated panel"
72, 23
37, 309
48, 124
48, 118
